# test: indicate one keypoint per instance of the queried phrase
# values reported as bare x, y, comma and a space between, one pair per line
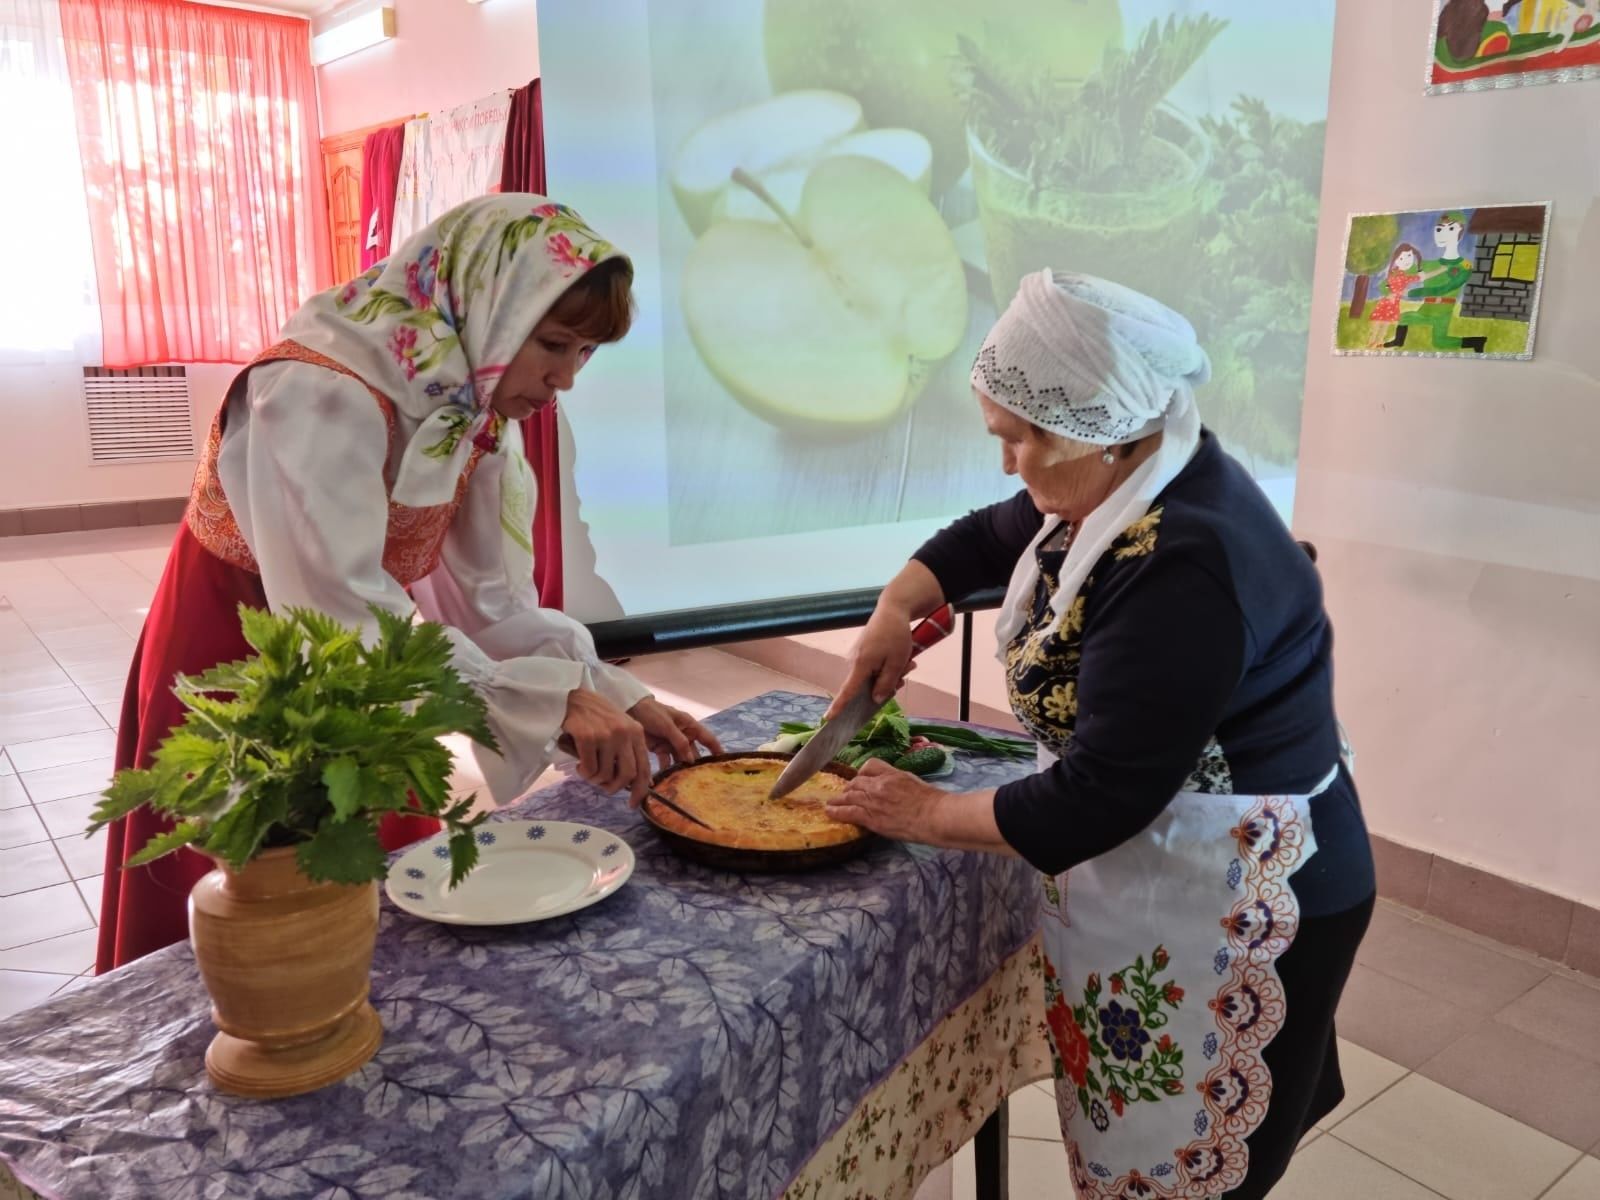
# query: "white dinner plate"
527, 871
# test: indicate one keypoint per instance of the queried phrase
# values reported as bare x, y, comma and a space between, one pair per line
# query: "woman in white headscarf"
371, 457
1207, 875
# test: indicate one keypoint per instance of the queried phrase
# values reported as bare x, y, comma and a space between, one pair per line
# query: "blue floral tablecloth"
698, 1034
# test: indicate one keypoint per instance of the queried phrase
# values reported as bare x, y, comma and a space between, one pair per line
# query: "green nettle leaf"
342, 778
178, 836
187, 751
344, 852
323, 630
128, 791
427, 779
463, 855
238, 833
229, 677
308, 743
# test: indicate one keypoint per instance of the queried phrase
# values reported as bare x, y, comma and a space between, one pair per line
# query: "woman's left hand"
672, 733
893, 803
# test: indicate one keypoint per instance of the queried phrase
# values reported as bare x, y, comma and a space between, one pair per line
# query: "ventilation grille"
141, 414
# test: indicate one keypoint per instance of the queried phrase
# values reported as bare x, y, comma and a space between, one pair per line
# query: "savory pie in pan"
729, 792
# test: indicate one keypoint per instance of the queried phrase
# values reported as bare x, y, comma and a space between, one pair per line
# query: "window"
1517, 262
197, 132
47, 302
1525, 263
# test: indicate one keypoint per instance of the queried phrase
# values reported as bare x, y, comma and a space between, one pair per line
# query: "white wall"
1457, 504
44, 453
444, 53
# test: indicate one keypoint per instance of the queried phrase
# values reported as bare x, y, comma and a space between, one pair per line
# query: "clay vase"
288, 963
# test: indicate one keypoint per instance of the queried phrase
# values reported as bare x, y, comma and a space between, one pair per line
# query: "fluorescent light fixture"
360, 31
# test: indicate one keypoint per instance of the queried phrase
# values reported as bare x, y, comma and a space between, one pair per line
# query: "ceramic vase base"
245, 1068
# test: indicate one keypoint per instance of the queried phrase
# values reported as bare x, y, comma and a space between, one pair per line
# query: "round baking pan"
732, 858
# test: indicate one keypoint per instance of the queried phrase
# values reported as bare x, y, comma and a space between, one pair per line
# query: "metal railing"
687, 629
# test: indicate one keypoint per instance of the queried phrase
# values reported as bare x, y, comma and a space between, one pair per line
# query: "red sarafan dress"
193, 625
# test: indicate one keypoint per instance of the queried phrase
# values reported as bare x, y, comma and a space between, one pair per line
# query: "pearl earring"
1108, 458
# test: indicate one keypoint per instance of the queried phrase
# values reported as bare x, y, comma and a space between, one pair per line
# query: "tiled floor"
1473, 1070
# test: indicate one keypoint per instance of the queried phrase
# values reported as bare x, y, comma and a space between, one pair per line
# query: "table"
698, 1034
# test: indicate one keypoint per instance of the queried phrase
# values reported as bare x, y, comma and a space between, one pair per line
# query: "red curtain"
380, 174
524, 172
198, 131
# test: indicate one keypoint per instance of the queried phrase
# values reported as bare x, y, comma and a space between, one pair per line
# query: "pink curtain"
524, 172
197, 127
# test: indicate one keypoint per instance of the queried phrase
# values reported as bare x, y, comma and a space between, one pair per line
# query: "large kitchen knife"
853, 717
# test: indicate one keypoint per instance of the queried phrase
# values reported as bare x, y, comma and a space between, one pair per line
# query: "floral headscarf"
434, 326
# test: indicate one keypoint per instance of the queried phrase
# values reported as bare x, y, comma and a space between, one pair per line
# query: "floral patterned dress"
1387, 310
1160, 985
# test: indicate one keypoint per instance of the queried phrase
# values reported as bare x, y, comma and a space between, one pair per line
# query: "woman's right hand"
608, 744
881, 659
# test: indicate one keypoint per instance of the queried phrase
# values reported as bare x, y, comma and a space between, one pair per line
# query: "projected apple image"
838, 242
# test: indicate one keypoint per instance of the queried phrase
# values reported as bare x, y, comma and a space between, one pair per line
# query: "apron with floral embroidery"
1160, 985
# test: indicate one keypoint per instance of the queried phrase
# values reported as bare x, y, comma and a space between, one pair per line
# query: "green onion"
889, 734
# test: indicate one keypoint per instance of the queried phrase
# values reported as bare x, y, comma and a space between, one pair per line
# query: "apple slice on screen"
786, 131
827, 320
903, 149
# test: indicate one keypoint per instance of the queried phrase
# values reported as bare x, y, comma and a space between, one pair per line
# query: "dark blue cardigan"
1219, 632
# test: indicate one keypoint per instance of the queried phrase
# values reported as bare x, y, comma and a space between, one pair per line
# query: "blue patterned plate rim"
527, 871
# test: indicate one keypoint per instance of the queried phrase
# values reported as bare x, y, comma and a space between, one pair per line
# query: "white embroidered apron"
1161, 993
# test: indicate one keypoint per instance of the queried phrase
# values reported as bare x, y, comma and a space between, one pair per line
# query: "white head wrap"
1090, 360
1099, 363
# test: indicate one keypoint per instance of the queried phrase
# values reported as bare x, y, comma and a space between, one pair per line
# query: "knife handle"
933, 629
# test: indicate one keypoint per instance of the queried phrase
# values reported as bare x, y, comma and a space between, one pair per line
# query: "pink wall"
444, 53
1457, 504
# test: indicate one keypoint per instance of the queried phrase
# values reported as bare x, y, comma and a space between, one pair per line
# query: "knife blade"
853, 717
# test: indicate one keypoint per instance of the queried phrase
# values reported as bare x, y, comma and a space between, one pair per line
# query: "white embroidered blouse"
302, 463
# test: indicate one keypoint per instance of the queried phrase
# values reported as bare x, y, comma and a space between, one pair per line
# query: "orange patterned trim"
414, 537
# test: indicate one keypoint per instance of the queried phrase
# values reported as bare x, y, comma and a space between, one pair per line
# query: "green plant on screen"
897, 56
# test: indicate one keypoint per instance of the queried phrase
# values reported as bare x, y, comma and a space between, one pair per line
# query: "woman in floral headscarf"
371, 458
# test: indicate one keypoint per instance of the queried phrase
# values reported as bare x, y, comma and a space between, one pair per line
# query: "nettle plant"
309, 743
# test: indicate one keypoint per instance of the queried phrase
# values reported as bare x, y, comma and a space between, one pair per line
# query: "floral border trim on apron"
1161, 994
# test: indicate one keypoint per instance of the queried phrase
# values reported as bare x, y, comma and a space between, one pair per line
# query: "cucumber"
921, 762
